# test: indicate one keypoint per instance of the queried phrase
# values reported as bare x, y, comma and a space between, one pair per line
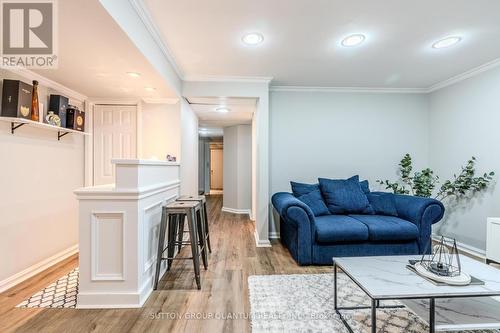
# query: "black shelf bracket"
13, 127
59, 135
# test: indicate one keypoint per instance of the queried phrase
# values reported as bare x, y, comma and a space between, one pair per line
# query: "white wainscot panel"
152, 219
107, 248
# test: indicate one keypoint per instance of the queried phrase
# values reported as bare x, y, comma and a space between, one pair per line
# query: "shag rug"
304, 303
59, 294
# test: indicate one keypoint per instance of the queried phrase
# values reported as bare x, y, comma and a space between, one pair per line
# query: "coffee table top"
386, 277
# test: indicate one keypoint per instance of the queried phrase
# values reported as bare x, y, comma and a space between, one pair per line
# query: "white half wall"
189, 150
464, 122
338, 135
238, 168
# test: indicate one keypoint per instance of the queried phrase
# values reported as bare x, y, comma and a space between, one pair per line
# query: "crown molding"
233, 79
350, 89
153, 30
114, 101
160, 100
465, 75
43, 81
440, 85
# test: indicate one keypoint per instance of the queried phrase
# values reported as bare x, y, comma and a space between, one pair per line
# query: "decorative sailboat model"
443, 264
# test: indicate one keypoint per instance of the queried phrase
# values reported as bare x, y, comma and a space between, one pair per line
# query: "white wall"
254, 168
230, 175
464, 120
202, 164
161, 131
337, 135
189, 150
245, 167
238, 168
38, 211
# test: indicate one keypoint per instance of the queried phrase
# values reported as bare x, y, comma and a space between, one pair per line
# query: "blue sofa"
314, 240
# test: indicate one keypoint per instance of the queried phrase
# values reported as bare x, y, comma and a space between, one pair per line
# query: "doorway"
216, 168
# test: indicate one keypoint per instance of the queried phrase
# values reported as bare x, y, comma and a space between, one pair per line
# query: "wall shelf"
16, 123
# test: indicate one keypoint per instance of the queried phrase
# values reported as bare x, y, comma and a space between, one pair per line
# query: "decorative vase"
35, 116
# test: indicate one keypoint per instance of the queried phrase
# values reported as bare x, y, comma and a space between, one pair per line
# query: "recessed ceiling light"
133, 74
252, 39
222, 109
446, 42
353, 40
149, 88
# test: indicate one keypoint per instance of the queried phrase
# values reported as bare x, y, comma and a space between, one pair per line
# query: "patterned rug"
304, 303
60, 294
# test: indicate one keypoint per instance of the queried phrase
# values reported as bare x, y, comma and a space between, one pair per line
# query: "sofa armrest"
423, 212
419, 210
298, 219
282, 201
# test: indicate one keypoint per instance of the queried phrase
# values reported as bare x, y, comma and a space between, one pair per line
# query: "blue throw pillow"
383, 203
315, 201
299, 189
365, 187
344, 196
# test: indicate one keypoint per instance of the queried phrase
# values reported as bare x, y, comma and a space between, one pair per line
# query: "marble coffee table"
444, 308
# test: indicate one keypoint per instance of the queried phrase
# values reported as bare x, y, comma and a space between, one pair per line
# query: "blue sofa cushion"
299, 189
315, 201
339, 228
383, 203
387, 228
344, 196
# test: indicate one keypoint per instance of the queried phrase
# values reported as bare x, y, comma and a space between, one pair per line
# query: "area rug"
304, 303
60, 294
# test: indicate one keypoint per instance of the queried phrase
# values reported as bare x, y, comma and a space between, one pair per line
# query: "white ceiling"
301, 45
240, 112
95, 55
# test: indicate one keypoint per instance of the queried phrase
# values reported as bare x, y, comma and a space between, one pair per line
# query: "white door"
115, 136
216, 172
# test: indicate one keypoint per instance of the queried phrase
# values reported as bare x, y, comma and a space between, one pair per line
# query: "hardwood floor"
177, 306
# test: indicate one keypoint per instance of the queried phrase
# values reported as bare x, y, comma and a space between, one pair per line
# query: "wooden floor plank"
177, 304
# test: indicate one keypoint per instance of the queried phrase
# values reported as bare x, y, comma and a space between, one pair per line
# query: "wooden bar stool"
203, 215
172, 214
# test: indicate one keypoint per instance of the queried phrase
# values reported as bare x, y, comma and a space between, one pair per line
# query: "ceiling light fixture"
222, 109
149, 88
252, 39
446, 42
133, 74
353, 40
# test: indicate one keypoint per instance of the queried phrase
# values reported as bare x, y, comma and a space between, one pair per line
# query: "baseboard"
37, 268
125, 300
216, 191
236, 211
260, 242
274, 235
111, 300
471, 250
